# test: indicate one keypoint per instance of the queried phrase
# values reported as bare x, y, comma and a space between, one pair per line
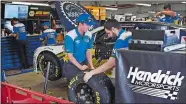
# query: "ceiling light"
128, 14
107, 8
151, 12
142, 4
28, 3
183, 2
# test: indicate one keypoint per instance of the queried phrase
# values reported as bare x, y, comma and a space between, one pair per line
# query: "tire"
102, 90
55, 69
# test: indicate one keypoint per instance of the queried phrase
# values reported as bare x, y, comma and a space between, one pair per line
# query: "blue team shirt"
78, 44
19, 29
50, 35
122, 41
169, 19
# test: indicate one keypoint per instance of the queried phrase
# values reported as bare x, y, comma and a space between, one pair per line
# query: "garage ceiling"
123, 3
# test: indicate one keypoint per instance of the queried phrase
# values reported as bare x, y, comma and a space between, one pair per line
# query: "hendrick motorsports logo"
164, 85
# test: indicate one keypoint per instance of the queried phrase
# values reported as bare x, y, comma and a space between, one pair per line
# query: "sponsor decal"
31, 13
97, 98
159, 84
148, 42
39, 12
71, 11
72, 81
77, 41
68, 13
48, 48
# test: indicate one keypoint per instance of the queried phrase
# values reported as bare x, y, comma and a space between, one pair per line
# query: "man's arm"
42, 36
170, 13
89, 58
14, 34
106, 66
89, 52
74, 61
56, 36
42, 39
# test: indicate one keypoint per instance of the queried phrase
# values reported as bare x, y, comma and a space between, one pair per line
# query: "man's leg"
70, 70
22, 53
25, 54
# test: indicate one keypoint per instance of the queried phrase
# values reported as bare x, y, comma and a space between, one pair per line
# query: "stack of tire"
9, 54
33, 43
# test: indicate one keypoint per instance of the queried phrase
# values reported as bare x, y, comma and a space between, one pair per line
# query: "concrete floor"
36, 83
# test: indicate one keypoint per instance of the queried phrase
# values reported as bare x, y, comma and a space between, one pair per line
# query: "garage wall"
142, 11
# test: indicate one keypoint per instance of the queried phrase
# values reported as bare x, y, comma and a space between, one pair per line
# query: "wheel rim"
85, 94
44, 67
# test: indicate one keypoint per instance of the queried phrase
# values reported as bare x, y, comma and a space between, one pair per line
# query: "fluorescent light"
151, 12
111, 8
28, 3
142, 4
128, 14
183, 2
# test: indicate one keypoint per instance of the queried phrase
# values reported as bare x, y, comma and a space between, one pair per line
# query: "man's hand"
14, 35
84, 67
92, 67
87, 76
158, 13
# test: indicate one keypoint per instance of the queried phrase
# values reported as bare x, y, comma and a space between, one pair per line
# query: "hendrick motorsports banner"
150, 77
69, 11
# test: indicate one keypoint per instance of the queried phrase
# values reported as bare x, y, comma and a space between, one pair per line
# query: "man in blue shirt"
19, 33
49, 35
78, 43
112, 29
170, 15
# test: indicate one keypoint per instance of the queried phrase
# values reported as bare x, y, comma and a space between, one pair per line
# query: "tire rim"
85, 94
44, 67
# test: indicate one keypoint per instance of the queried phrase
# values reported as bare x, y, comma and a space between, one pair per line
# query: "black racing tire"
55, 71
102, 89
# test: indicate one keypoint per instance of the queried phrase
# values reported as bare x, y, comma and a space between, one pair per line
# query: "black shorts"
70, 70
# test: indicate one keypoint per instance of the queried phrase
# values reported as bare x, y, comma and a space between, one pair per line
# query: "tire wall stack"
10, 54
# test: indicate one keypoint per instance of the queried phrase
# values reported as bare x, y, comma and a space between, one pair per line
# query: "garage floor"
36, 83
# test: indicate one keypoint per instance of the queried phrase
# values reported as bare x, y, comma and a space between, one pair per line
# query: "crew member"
112, 29
78, 44
170, 16
48, 36
19, 33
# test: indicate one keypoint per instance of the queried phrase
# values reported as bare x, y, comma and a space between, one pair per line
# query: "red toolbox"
11, 94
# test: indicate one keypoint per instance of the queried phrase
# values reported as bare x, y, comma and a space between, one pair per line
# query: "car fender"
53, 49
